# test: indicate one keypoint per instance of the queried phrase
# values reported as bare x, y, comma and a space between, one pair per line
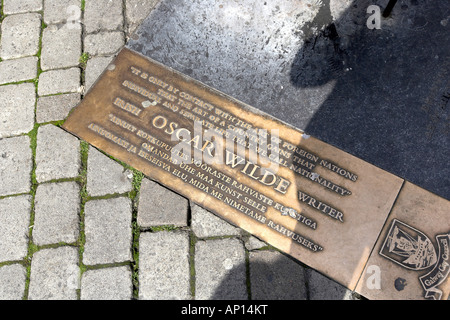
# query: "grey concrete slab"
379, 94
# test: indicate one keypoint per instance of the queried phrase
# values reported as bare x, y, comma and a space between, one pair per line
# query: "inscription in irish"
303, 196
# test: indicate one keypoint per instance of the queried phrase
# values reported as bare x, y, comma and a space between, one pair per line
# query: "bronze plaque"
309, 199
411, 260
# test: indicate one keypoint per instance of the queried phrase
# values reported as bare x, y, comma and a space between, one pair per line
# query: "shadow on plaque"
390, 101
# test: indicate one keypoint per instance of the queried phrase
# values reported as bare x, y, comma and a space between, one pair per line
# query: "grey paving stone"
94, 68
15, 165
12, 282
59, 81
57, 154
57, 206
253, 243
61, 47
322, 288
220, 272
54, 108
61, 11
17, 109
105, 176
107, 284
274, 276
160, 206
104, 43
55, 274
20, 35
107, 231
18, 70
164, 266
137, 11
206, 224
15, 6
14, 223
103, 15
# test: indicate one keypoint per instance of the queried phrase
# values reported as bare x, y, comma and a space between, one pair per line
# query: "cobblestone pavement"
76, 224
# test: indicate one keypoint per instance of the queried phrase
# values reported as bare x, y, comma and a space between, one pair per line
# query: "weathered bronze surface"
320, 205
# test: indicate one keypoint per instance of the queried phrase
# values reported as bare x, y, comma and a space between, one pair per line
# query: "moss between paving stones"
84, 58
84, 149
192, 242
18, 82
2, 16
32, 248
136, 184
